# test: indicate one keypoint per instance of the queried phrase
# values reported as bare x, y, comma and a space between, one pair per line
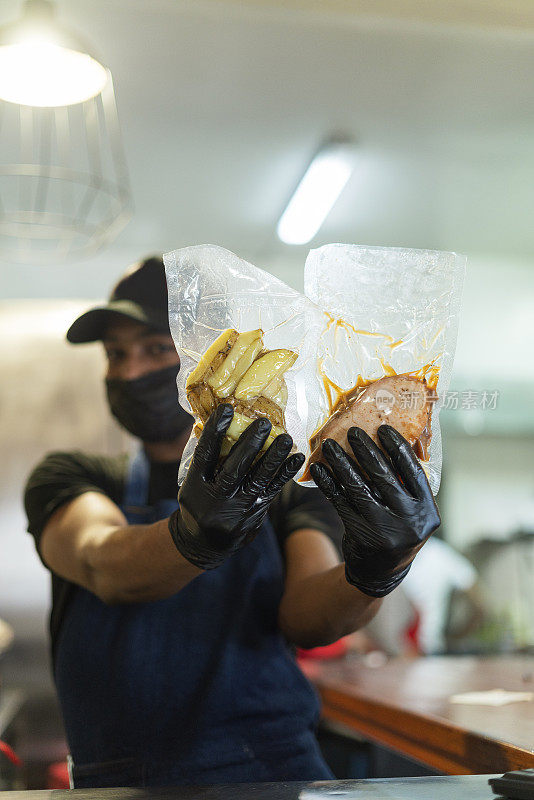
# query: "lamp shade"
64, 187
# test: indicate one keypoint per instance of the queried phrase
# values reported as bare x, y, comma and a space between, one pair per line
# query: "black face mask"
148, 406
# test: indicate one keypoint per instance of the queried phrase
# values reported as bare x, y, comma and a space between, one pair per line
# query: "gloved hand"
223, 509
386, 521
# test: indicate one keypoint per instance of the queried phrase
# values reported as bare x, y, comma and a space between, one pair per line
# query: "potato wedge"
262, 372
228, 366
236, 369
221, 343
241, 368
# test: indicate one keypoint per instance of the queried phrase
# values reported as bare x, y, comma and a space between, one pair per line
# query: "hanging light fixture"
64, 188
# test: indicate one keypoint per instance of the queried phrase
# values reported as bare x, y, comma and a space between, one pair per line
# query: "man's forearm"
136, 563
322, 608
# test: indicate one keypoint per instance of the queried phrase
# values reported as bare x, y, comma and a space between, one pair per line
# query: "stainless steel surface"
474, 787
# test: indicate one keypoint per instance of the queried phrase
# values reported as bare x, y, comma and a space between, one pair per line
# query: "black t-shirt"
61, 477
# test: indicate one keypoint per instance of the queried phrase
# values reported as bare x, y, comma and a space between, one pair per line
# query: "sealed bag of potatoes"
243, 337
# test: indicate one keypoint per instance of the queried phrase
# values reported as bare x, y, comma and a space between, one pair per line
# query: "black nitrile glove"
223, 509
386, 521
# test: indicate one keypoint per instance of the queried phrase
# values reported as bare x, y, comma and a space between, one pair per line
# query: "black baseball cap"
140, 295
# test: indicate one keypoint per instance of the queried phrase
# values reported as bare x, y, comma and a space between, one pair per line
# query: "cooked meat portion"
401, 401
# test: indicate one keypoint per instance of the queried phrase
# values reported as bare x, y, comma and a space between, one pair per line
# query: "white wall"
488, 487
51, 398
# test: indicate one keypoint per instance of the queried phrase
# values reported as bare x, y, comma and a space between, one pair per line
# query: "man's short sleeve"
297, 507
61, 477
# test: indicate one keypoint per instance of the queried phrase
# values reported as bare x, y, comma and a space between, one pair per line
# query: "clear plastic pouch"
386, 311
212, 289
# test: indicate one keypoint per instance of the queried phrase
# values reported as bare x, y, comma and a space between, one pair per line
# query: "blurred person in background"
441, 578
171, 616
435, 610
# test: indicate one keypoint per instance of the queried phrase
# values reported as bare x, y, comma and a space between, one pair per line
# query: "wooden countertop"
405, 705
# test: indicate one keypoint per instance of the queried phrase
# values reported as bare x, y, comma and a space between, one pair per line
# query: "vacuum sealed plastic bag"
243, 337
386, 345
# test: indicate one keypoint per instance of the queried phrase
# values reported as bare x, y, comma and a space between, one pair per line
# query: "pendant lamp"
64, 186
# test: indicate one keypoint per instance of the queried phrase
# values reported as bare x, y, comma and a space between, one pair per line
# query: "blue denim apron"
199, 687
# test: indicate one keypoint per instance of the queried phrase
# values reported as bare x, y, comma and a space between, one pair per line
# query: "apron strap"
135, 497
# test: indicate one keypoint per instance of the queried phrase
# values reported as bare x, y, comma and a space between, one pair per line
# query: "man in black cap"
142, 360
171, 616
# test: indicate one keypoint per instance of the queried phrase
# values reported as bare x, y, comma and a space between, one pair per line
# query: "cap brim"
91, 326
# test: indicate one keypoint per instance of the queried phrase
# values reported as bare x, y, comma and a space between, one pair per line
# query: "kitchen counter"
405, 705
474, 787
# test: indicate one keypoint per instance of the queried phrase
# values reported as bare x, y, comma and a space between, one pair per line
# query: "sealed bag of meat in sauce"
243, 338
386, 346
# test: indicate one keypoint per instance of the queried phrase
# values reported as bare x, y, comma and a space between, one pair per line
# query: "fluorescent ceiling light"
45, 74
316, 193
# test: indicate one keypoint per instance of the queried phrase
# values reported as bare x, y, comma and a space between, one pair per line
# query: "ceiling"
222, 105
